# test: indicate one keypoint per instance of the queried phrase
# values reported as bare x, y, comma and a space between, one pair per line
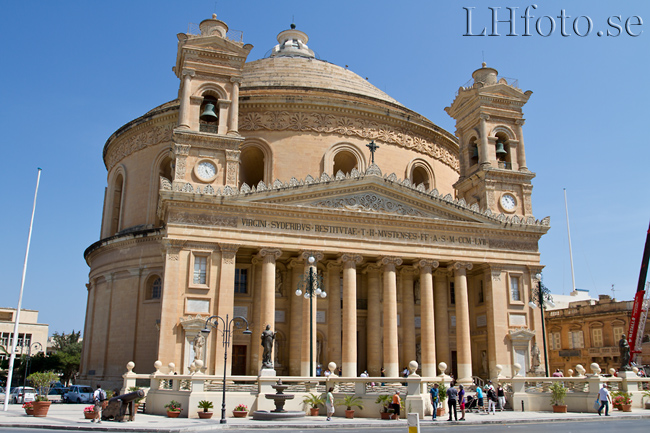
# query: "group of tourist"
457, 399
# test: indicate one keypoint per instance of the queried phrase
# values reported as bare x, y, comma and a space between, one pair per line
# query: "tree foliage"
68, 354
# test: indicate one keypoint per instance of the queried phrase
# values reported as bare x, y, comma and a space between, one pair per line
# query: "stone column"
267, 313
521, 151
349, 339
110, 282
333, 313
175, 277
391, 358
408, 316
495, 294
427, 326
186, 91
306, 337
373, 322
233, 118
441, 316
483, 151
463, 336
224, 299
295, 320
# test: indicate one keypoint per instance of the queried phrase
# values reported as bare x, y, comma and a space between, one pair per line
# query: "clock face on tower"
508, 202
205, 170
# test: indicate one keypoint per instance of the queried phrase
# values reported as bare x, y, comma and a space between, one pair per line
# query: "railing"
513, 82
194, 29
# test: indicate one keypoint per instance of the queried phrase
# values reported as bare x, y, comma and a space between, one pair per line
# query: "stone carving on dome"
208, 190
187, 188
373, 170
340, 175
202, 220
355, 173
293, 182
368, 203
129, 145
165, 184
277, 184
421, 188
261, 186
325, 177
392, 177
328, 123
245, 189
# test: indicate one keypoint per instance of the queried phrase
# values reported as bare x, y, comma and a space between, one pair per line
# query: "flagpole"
14, 342
573, 277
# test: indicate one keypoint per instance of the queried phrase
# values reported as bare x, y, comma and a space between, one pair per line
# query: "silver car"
79, 394
18, 392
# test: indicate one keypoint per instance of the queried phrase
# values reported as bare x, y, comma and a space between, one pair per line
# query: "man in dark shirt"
452, 401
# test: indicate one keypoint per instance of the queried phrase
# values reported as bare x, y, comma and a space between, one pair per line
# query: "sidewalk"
70, 417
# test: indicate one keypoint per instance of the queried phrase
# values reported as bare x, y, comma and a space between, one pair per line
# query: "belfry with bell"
489, 120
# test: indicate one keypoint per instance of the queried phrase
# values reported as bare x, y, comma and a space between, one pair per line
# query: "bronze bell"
500, 149
208, 113
475, 152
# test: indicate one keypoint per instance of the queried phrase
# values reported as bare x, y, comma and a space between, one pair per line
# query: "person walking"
396, 404
329, 403
605, 400
492, 400
98, 398
434, 392
382, 373
452, 400
479, 398
461, 401
501, 395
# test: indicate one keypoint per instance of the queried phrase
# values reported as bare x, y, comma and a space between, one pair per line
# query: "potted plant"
442, 396
350, 401
29, 408
89, 412
313, 400
384, 400
646, 394
240, 411
558, 393
173, 409
43, 382
205, 405
622, 401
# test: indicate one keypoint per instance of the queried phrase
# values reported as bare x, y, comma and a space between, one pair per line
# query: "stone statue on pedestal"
197, 344
624, 350
267, 342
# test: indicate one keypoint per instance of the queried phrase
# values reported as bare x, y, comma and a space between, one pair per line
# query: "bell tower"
209, 64
489, 122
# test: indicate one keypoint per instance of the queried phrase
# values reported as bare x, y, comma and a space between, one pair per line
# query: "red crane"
641, 305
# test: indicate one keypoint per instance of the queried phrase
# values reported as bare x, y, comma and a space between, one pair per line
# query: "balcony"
603, 351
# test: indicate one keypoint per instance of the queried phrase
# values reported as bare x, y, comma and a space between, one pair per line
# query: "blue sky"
74, 72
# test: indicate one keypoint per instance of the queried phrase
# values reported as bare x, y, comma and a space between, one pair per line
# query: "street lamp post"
542, 297
226, 334
37, 347
311, 283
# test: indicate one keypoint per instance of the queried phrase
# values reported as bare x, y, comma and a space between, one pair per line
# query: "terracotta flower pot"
440, 411
559, 408
205, 415
41, 408
173, 413
29, 410
385, 415
89, 415
349, 413
239, 413
313, 411
626, 407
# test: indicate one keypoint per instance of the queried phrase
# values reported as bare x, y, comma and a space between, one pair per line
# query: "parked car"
56, 394
78, 394
18, 392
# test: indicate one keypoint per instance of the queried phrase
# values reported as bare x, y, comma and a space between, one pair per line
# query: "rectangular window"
515, 294
597, 337
200, 268
554, 341
452, 294
576, 340
241, 281
618, 332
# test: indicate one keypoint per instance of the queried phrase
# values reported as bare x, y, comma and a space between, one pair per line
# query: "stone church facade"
426, 246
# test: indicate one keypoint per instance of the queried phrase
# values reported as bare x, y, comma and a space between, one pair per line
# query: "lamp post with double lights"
542, 297
38, 347
226, 334
311, 283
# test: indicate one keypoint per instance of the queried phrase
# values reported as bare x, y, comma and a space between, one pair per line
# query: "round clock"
508, 202
205, 170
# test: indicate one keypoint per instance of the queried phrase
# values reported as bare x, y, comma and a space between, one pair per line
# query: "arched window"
116, 203
164, 170
344, 161
154, 287
252, 163
473, 152
502, 149
419, 171
209, 115
420, 175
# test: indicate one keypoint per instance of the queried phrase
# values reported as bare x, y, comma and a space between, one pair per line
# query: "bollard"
413, 422
522, 406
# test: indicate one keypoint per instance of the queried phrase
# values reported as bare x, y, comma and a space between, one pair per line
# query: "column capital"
484, 117
305, 254
236, 80
188, 72
229, 248
270, 253
426, 265
389, 260
351, 259
520, 122
460, 266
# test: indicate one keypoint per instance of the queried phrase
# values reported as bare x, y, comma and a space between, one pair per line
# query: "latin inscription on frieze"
362, 232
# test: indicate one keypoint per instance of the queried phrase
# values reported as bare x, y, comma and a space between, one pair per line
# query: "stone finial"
570, 372
413, 367
581, 370
612, 371
172, 367
516, 367
442, 366
157, 365
332, 368
129, 367
499, 369
635, 370
595, 368
199, 365
192, 367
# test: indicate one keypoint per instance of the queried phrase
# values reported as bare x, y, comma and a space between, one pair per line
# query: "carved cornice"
211, 141
120, 147
188, 218
323, 123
